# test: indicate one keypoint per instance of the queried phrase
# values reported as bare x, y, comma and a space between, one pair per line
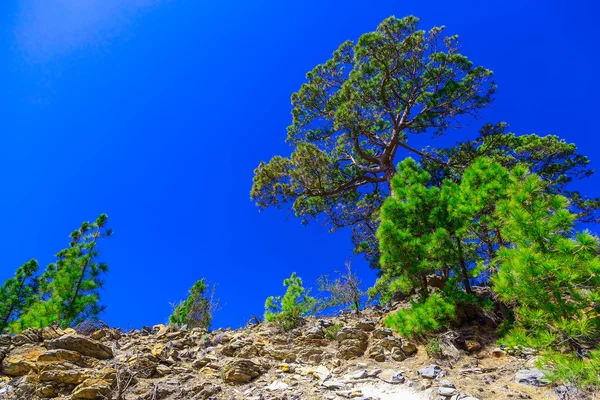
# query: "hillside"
348, 356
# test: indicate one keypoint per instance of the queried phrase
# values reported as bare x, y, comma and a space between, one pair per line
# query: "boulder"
391, 376
83, 345
531, 377
21, 360
351, 333
91, 389
381, 333
241, 371
431, 372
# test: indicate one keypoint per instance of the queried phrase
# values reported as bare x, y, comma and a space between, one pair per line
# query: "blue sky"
157, 112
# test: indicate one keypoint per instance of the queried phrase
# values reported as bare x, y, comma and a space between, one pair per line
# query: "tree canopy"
357, 110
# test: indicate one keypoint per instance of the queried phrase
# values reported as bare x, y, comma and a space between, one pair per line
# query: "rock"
82, 345
241, 371
377, 354
408, 347
447, 391
361, 374
431, 372
143, 365
21, 360
333, 385
447, 384
285, 367
391, 376
91, 389
435, 281
208, 391
531, 377
67, 377
281, 353
349, 351
498, 353
472, 346
424, 385
321, 373
60, 355
277, 386
351, 333
163, 370
365, 325
5, 340
28, 336
52, 332
381, 333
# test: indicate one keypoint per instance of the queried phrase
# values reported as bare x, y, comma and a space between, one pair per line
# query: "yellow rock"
21, 360
284, 367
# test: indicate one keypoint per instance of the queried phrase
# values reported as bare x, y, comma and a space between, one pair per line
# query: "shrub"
288, 310
426, 316
572, 369
198, 309
434, 348
331, 331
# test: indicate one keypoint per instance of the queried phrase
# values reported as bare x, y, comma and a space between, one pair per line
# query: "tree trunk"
463, 266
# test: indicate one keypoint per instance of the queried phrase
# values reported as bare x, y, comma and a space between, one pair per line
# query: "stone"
68, 377
349, 351
59, 355
408, 348
241, 371
163, 370
351, 333
277, 386
91, 389
52, 332
333, 385
381, 333
5, 340
472, 346
446, 391
321, 373
431, 372
447, 384
498, 353
531, 377
143, 365
21, 360
361, 374
365, 325
391, 376
208, 391
82, 345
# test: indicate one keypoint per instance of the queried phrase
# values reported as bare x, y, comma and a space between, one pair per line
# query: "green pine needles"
198, 309
551, 273
17, 293
288, 310
67, 293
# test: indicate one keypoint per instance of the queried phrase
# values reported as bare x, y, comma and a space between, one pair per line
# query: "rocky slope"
350, 356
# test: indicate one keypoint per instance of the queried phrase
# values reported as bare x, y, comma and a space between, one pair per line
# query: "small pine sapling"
288, 310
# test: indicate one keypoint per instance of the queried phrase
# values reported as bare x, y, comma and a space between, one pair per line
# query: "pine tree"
198, 309
17, 293
357, 113
69, 288
288, 310
550, 273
